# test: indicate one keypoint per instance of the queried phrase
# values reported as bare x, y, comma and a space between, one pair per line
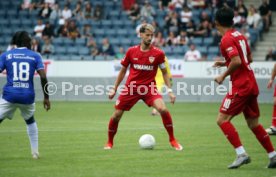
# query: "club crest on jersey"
151, 59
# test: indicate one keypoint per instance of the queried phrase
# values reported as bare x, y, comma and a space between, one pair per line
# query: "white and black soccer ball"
147, 141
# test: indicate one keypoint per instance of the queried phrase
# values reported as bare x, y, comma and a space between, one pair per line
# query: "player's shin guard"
231, 134
168, 124
32, 131
112, 130
274, 116
263, 138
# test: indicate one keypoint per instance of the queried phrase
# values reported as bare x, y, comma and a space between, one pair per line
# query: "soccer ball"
147, 141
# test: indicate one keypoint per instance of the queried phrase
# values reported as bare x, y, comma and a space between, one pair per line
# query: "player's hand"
219, 79
218, 64
269, 84
112, 93
172, 97
46, 104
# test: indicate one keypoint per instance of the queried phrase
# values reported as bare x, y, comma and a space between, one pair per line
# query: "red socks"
112, 130
274, 116
168, 124
231, 134
263, 138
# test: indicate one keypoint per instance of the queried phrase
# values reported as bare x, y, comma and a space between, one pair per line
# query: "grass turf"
72, 135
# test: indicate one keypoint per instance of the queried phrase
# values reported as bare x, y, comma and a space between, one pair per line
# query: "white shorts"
7, 109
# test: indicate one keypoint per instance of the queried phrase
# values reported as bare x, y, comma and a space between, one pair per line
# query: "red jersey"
143, 65
233, 43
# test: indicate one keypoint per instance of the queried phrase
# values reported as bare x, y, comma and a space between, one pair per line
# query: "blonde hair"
145, 27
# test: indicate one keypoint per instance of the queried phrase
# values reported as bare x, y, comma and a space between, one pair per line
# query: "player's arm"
273, 75
219, 64
119, 79
234, 64
44, 84
167, 81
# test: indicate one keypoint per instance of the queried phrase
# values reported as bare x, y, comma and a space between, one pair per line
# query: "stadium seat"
202, 49
111, 33
99, 58
80, 41
15, 23
2, 14
118, 24
122, 33
26, 23
197, 41
213, 50
68, 42
4, 22
84, 51
76, 57
208, 41
115, 41
126, 41
60, 50
72, 50
106, 24
99, 32
12, 13
58, 41
114, 14
64, 57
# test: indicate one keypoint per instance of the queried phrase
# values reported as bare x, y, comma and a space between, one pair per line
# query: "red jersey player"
243, 98
144, 60
272, 129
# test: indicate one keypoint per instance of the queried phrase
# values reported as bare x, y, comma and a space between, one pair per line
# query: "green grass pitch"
72, 135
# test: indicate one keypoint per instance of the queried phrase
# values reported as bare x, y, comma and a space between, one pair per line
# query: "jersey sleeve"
2, 62
126, 60
39, 63
229, 48
161, 60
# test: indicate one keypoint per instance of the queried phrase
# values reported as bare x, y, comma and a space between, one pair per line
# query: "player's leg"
160, 106
6, 110
27, 112
251, 113
232, 105
272, 129
113, 126
159, 85
124, 103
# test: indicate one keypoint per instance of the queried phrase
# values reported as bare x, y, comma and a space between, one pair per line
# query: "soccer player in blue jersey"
20, 64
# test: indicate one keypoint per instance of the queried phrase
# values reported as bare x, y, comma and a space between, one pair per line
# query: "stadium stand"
115, 25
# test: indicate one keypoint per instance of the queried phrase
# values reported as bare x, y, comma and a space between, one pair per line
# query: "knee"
220, 121
117, 115
30, 120
162, 109
252, 124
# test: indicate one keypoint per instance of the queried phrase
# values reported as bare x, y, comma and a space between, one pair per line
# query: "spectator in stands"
159, 40
237, 20
216, 38
86, 32
45, 11
106, 48
171, 39
98, 13
156, 26
177, 5
50, 2
48, 30
27, 5
35, 45
121, 53
38, 29
271, 55
204, 17
204, 30
87, 12
182, 38
198, 3
134, 12
66, 13
92, 45
185, 16
147, 11
172, 22
163, 4
193, 54
73, 31
63, 30
266, 14
127, 4
48, 48
241, 8
77, 12
55, 14
253, 18
190, 29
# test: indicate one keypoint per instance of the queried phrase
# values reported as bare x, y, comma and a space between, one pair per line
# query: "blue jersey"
20, 65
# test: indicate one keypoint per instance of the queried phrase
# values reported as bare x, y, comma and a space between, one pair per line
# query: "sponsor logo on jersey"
9, 56
135, 58
229, 49
151, 59
143, 67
